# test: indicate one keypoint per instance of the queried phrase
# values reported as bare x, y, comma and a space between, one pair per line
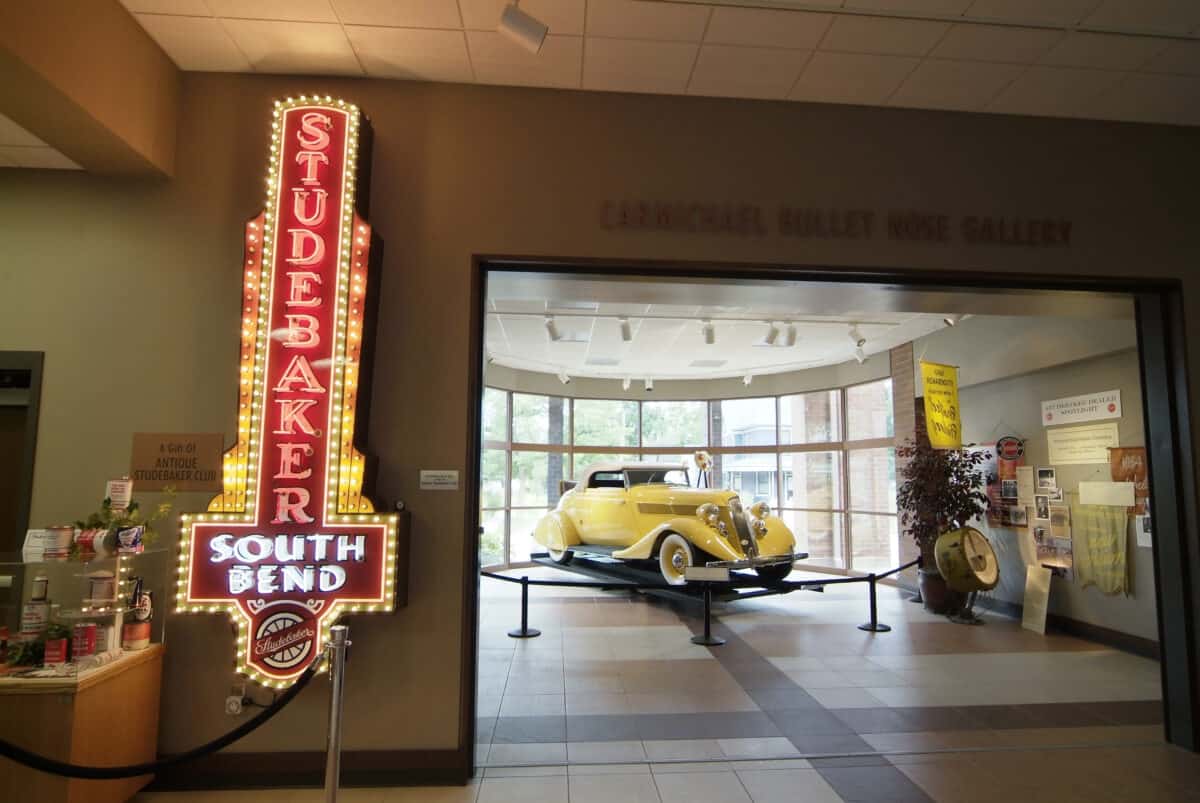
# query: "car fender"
779, 539
698, 534
555, 531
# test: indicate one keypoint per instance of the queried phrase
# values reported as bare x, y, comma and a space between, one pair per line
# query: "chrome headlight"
760, 510
759, 526
709, 513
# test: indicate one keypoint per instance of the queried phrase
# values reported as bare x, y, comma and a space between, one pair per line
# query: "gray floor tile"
873, 785
485, 727
1129, 712
602, 728
849, 761
873, 720
829, 743
515, 730
782, 699
731, 725
809, 722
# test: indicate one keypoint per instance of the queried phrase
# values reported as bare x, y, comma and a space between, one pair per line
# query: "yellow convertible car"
641, 511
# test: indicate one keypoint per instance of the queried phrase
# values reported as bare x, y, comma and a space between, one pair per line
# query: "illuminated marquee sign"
291, 543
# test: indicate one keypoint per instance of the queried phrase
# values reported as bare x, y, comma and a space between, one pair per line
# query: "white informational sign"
713, 574
439, 480
1025, 485
1037, 599
1077, 409
1082, 445
1142, 528
36, 541
1117, 494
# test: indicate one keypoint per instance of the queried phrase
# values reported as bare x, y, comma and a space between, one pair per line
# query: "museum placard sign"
182, 461
943, 421
1078, 409
292, 543
1082, 445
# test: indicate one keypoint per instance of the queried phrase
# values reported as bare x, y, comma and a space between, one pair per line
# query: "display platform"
598, 566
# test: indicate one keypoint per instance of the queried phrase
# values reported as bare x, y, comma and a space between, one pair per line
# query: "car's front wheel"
674, 556
560, 556
775, 572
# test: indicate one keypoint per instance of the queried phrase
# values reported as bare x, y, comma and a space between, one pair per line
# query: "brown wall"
131, 288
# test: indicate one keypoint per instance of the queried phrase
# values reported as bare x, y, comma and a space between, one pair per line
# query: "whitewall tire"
560, 556
674, 556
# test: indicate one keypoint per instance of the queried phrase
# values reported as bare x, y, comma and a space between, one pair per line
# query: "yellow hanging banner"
942, 419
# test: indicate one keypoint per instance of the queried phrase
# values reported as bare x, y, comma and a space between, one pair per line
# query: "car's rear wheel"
674, 556
560, 556
775, 572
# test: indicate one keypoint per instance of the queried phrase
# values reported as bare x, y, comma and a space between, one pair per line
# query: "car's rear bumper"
761, 560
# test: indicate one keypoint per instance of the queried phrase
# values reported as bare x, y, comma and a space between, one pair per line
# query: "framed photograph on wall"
1009, 489
1041, 507
1019, 516
1046, 479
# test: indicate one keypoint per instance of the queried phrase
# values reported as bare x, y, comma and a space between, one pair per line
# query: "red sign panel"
291, 543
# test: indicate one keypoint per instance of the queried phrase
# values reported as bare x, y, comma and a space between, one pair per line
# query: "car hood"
676, 495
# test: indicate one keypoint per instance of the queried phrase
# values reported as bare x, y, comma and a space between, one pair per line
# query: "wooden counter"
107, 716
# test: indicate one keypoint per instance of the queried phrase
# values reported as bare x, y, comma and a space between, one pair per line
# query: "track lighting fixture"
562, 377
626, 330
524, 29
649, 385
625, 383
857, 337
747, 379
772, 334
491, 358
860, 355
952, 320
710, 333
552, 329
790, 338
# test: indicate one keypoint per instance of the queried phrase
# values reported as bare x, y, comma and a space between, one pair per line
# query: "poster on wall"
1008, 453
1078, 409
1084, 445
1053, 553
943, 423
1128, 464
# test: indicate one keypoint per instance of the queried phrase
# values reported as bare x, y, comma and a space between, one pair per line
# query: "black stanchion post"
708, 639
526, 631
873, 626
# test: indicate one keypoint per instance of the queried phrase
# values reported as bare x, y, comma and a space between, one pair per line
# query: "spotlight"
952, 320
710, 334
625, 383
524, 29
562, 377
491, 358
626, 330
772, 334
860, 355
649, 385
552, 329
747, 379
857, 336
790, 337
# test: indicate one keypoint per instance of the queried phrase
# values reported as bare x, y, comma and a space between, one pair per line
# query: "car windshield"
657, 476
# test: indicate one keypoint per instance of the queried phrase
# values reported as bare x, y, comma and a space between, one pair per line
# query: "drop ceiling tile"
294, 47
746, 72
13, 134
560, 16
399, 13
1173, 99
1053, 91
498, 60
961, 85
1162, 16
39, 157
195, 43
761, 27
413, 54
1004, 43
1181, 57
884, 35
630, 19
852, 78
947, 7
628, 65
290, 10
1104, 51
193, 8
1050, 12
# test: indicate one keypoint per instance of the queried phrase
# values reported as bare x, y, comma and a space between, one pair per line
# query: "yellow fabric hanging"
1098, 535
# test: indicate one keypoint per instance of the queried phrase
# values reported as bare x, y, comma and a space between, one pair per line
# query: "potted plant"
940, 492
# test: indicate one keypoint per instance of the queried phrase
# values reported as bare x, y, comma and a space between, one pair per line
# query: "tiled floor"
613, 703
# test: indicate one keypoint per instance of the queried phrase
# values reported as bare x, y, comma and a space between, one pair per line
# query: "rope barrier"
53, 767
